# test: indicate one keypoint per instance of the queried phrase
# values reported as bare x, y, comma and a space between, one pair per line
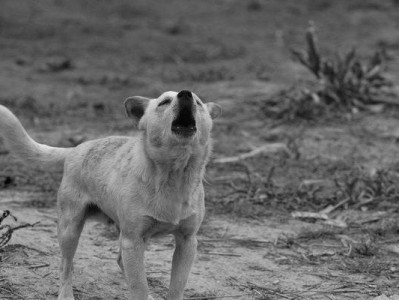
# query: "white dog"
148, 185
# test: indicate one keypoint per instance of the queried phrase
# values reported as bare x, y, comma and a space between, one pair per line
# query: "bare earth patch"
255, 259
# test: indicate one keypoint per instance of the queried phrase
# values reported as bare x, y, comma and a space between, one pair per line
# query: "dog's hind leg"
72, 213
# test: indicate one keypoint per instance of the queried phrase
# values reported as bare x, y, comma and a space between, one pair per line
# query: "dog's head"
173, 118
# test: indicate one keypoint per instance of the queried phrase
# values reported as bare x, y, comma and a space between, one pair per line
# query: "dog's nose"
185, 94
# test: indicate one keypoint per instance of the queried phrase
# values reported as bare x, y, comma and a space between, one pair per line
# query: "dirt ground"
66, 67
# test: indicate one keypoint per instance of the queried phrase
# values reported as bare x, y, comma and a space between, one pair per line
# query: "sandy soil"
239, 258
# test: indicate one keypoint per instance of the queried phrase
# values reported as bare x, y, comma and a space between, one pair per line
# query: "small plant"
343, 83
344, 80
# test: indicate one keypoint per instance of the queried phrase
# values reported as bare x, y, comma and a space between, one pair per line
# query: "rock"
56, 64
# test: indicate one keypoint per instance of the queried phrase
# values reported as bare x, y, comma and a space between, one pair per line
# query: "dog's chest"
176, 200
171, 208
154, 228
168, 199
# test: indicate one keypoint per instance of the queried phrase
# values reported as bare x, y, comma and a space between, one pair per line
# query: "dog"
148, 185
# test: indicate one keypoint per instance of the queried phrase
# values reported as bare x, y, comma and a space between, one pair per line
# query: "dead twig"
330, 209
271, 291
308, 214
24, 226
217, 297
237, 240
264, 149
39, 266
222, 254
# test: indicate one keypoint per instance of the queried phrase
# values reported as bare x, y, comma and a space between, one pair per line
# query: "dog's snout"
184, 123
184, 94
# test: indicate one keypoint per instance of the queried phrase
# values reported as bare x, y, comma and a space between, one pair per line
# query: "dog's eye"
165, 102
199, 103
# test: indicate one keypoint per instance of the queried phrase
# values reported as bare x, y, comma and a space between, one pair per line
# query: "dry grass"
367, 187
355, 187
8, 291
369, 266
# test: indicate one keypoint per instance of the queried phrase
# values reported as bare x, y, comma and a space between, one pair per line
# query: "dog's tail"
24, 147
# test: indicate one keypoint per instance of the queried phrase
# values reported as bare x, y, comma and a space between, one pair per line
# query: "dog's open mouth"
184, 125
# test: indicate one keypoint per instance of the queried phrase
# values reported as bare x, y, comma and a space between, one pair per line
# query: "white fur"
25, 147
148, 185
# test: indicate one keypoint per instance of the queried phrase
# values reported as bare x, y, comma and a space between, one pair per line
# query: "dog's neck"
180, 162
174, 179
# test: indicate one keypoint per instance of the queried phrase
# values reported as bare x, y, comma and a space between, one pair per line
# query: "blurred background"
65, 54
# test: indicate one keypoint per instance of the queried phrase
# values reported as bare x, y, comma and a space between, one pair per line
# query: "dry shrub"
344, 83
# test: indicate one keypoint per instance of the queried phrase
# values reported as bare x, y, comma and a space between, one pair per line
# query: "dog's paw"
66, 298
66, 294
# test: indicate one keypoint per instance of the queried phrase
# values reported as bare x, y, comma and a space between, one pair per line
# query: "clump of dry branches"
344, 83
6, 231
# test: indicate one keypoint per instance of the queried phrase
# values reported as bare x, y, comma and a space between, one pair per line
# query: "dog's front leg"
183, 257
132, 249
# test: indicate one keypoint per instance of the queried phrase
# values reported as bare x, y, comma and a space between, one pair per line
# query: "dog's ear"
135, 107
214, 109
